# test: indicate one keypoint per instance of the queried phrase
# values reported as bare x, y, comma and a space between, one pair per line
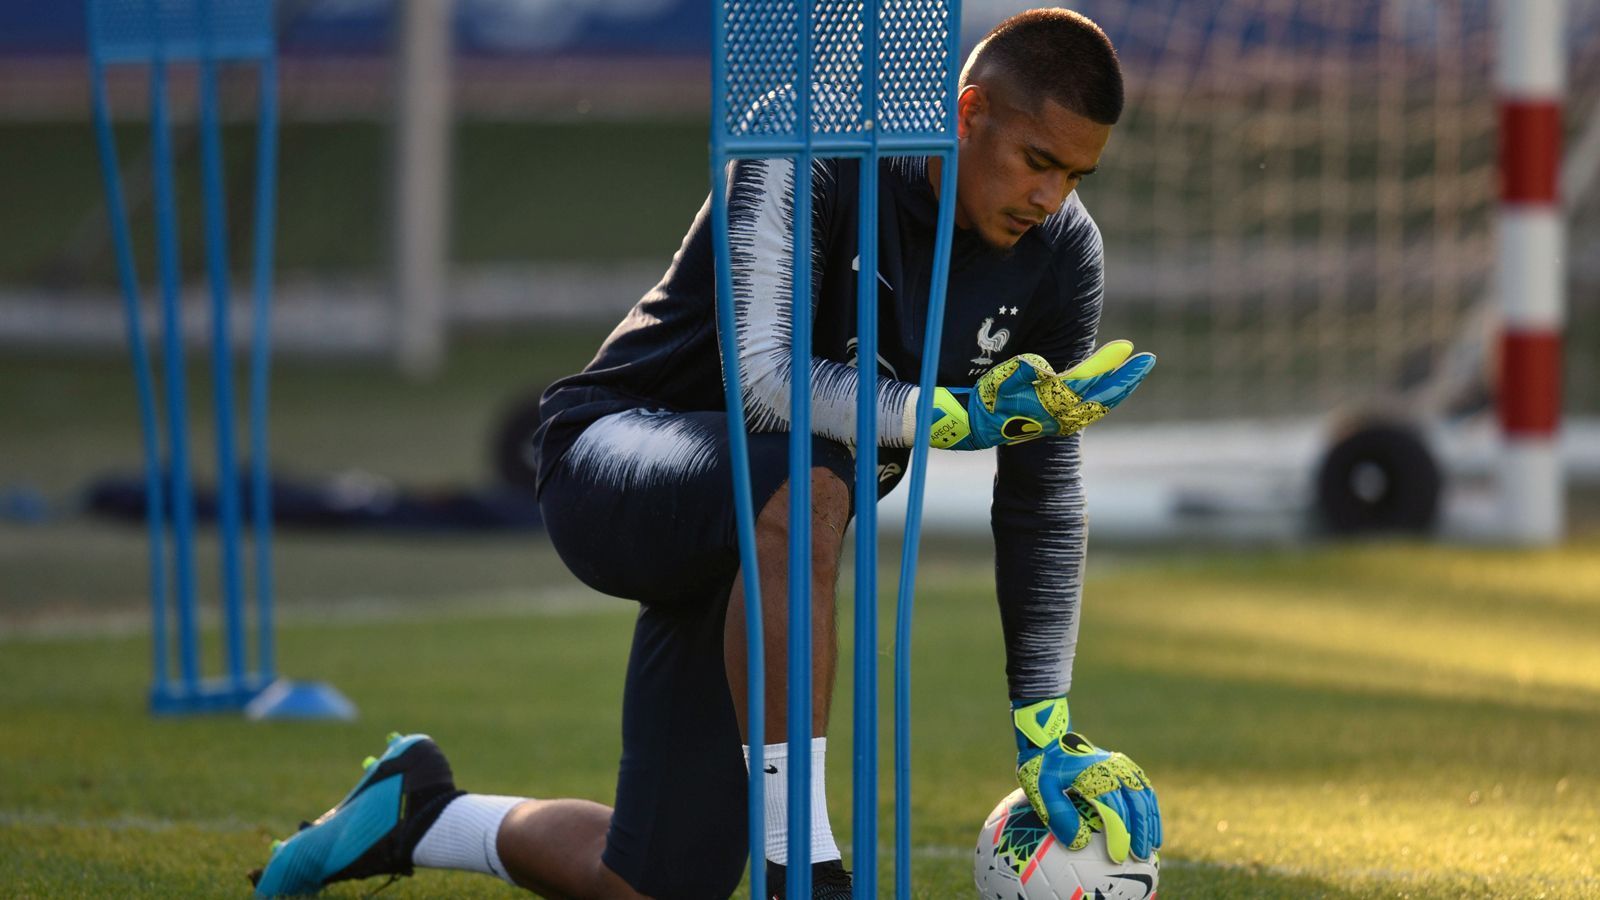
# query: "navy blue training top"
1042, 296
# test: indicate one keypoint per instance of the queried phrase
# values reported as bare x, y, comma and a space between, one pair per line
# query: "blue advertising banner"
484, 28
535, 29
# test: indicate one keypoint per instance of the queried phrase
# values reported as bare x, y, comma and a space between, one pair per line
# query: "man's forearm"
1040, 531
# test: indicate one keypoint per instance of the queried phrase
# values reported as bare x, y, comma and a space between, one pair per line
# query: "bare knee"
830, 513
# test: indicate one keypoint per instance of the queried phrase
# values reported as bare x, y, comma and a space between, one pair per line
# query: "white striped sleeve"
760, 229
1039, 517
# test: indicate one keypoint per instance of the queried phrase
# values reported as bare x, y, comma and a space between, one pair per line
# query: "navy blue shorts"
641, 507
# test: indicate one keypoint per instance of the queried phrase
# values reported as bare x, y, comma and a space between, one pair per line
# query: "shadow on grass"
1186, 880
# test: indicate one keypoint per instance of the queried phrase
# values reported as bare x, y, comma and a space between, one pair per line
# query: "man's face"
1017, 167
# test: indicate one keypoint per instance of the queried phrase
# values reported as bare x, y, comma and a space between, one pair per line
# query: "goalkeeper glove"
1023, 398
1076, 787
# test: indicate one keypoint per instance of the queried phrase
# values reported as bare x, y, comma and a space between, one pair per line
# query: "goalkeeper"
635, 487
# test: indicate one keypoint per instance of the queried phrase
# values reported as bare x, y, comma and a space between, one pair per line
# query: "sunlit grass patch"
1368, 722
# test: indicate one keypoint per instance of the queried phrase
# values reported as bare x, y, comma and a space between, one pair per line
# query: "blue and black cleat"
373, 829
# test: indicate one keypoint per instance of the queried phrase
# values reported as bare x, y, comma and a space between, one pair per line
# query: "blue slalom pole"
800, 613
864, 824
216, 253
177, 470
260, 361
149, 426
739, 450
905, 599
926, 379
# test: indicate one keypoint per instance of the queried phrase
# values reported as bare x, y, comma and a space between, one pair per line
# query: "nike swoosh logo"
771, 770
1148, 882
855, 266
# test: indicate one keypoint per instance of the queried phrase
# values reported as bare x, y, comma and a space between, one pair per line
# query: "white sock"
775, 761
465, 836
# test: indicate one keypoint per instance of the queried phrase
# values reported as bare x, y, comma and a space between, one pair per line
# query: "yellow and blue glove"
1077, 788
1023, 398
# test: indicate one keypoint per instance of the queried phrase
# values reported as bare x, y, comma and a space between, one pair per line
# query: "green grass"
1381, 721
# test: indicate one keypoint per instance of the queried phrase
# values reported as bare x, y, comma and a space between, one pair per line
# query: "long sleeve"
1040, 535
761, 224
1039, 514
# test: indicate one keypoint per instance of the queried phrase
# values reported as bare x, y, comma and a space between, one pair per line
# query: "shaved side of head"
1049, 54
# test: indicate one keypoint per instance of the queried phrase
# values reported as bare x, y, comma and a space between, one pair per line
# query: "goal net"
1299, 204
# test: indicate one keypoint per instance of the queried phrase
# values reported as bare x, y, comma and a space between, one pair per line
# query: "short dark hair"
1054, 54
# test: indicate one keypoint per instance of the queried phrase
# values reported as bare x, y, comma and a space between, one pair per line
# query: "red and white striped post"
1531, 275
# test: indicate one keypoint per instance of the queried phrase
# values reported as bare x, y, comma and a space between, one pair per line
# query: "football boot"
373, 830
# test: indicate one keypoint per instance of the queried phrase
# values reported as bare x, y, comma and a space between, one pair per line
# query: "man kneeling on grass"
635, 487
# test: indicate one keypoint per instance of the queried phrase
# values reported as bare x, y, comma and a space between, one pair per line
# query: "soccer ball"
1018, 859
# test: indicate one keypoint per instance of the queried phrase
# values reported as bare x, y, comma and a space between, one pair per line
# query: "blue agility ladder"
153, 35
888, 78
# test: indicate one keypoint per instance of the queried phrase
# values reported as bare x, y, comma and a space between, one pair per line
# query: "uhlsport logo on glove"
1021, 428
1074, 743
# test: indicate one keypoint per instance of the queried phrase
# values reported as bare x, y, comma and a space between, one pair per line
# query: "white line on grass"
511, 603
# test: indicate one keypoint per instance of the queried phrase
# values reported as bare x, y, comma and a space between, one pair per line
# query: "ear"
971, 104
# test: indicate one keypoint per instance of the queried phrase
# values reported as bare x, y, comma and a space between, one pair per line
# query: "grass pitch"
1382, 721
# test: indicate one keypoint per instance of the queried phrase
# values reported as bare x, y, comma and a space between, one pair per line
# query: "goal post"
1531, 282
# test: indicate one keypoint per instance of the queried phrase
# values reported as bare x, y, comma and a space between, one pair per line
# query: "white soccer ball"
1017, 859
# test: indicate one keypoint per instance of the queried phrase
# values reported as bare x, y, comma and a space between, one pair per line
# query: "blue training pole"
864, 819
927, 380
216, 253
177, 469
260, 360
149, 428
800, 613
739, 452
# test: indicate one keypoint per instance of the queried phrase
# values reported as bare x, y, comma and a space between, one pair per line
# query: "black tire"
1378, 478
511, 443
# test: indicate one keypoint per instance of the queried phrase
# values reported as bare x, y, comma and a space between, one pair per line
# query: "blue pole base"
209, 695
258, 697
284, 699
